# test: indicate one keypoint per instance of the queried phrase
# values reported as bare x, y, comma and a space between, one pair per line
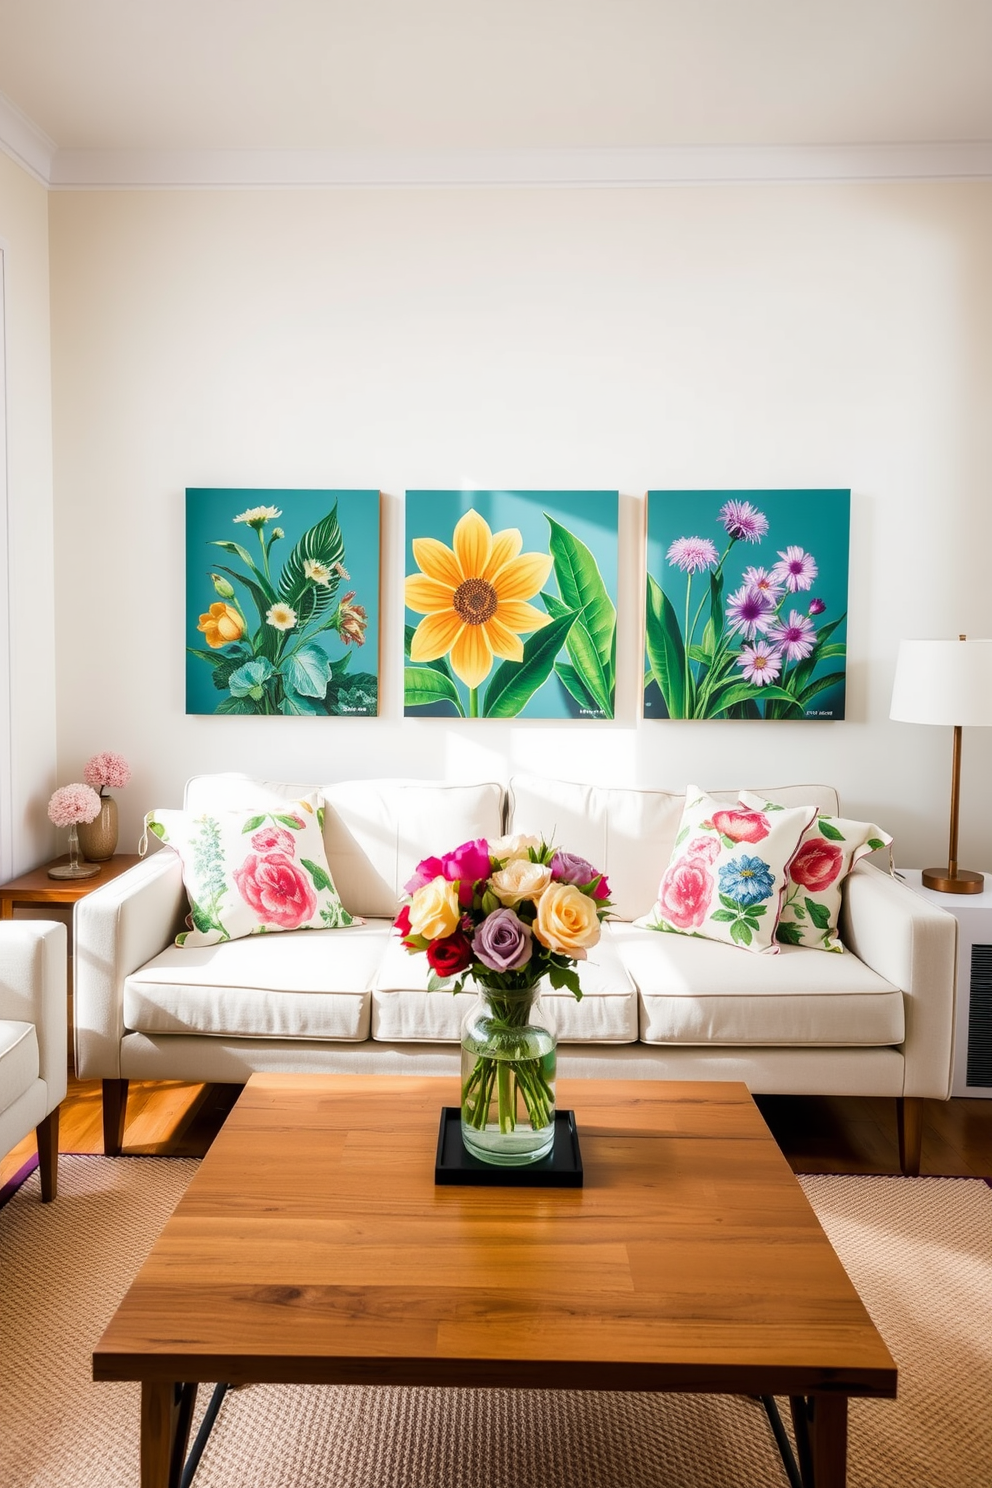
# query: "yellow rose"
566, 920
520, 879
434, 910
515, 845
222, 625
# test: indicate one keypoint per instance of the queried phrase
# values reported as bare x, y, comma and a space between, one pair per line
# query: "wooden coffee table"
313, 1246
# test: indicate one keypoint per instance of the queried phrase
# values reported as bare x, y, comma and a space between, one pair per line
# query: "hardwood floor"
818, 1134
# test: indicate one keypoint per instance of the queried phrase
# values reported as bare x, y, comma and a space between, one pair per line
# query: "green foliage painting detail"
511, 604
747, 604
282, 602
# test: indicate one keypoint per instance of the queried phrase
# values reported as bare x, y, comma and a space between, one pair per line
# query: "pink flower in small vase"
107, 769
73, 803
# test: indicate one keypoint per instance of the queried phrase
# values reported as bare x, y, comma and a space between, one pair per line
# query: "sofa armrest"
32, 990
913, 944
116, 929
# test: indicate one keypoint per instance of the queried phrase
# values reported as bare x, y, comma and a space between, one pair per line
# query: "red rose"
816, 864
278, 891
741, 826
450, 956
402, 920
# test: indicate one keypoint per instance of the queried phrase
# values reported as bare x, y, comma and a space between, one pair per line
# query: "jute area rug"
919, 1251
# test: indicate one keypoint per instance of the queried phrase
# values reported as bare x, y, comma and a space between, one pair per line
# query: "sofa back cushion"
628, 834
375, 831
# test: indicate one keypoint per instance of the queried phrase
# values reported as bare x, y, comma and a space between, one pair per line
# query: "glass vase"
508, 1077
75, 868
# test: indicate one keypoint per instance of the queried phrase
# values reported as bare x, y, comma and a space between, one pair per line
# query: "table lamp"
946, 682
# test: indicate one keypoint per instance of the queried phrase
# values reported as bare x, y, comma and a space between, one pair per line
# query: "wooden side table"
37, 888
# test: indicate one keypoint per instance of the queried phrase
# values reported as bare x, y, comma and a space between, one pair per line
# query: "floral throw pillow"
830, 847
252, 872
728, 872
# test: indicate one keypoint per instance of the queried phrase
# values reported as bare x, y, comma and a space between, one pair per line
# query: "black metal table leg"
206, 1426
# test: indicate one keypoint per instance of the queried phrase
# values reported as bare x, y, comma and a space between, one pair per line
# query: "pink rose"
742, 826
274, 839
816, 864
278, 891
424, 873
706, 848
468, 863
684, 893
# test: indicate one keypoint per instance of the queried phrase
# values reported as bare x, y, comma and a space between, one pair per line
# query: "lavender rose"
503, 942
568, 867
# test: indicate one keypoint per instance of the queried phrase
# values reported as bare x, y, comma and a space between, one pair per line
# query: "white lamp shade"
943, 682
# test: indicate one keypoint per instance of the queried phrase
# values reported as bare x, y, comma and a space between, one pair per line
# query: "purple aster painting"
747, 604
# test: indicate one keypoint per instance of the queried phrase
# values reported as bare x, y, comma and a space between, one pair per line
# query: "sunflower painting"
509, 613
282, 602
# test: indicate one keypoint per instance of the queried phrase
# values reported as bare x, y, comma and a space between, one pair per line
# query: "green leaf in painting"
724, 916
307, 671
293, 705
581, 587
828, 830
713, 629
514, 683
423, 685
741, 932
666, 652
322, 544
744, 692
237, 705
573, 682
248, 680
820, 685
252, 825
555, 607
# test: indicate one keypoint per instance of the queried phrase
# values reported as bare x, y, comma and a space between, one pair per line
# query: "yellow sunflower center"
475, 601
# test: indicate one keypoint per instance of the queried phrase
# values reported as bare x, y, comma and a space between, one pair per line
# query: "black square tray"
562, 1168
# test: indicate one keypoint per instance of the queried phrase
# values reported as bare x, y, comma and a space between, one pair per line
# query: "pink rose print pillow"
728, 872
830, 847
252, 872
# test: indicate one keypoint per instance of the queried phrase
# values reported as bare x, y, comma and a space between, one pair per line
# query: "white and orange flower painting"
510, 620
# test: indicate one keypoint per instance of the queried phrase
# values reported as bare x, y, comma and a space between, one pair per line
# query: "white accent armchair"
33, 1042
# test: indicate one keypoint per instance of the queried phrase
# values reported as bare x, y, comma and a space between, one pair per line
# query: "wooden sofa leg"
909, 1118
114, 1111
47, 1133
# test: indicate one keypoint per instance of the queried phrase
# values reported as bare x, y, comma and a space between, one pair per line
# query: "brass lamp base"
953, 881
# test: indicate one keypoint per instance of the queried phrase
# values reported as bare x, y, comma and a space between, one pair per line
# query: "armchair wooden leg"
909, 1118
114, 1112
47, 1133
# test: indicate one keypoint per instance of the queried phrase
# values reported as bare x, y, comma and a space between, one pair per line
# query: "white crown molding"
101, 170
23, 141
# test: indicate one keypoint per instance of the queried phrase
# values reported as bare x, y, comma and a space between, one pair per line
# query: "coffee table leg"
166, 1412
829, 1441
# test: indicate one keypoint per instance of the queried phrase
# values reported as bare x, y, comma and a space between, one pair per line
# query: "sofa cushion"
19, 1061
375, 831
295, 985
403, 1009
627, 833
699, 992
258, 870
829, 849
728, 873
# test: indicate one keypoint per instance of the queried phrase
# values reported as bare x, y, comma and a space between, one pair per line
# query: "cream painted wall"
29, 583
704, 336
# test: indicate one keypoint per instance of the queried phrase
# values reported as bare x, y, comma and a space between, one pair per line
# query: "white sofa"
875, 1021
33, 1039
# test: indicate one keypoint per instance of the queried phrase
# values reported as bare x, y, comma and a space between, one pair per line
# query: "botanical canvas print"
747, 604
511, 604
282, 601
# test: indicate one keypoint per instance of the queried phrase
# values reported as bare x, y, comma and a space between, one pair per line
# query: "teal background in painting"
817, 520
591, 516
210, 514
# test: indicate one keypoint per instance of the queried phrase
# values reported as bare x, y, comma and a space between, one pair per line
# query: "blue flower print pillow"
728, 872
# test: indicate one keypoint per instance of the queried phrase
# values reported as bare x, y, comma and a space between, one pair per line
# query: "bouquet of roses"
505, 914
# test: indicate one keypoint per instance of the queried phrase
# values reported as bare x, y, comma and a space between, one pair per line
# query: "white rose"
514, 845
520, 879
